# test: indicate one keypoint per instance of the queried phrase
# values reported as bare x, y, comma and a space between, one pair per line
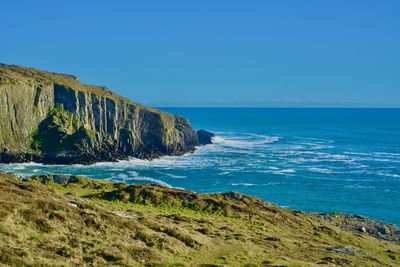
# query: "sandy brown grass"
43, 223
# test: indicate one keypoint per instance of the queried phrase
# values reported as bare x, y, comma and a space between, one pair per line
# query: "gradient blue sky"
186, 53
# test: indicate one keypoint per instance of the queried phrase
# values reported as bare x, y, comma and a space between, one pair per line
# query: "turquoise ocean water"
344, 160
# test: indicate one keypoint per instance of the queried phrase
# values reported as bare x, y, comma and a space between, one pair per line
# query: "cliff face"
53, 118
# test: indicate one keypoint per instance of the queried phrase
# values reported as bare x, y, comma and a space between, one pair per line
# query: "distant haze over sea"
272, 104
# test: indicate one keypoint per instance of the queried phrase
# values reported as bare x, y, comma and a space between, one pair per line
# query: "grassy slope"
99, 223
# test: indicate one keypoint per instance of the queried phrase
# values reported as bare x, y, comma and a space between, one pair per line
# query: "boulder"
205, 137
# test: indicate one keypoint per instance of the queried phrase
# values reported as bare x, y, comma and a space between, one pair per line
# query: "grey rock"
343, 250
363, 225
205, 137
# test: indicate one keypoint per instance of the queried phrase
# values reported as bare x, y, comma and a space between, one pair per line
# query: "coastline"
356, 223
149, 224
214, 168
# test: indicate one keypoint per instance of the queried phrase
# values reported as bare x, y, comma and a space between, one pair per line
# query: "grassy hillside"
76, 221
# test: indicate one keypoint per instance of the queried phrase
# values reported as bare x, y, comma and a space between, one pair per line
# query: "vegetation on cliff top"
68, 220
14, 75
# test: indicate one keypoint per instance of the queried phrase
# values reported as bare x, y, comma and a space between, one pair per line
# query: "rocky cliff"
53, 118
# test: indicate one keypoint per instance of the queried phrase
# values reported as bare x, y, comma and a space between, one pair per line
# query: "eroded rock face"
52, 118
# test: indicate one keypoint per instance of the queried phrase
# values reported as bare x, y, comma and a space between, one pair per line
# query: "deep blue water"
344, 160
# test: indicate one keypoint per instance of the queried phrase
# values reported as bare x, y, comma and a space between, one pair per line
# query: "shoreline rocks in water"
205, 137
54, 119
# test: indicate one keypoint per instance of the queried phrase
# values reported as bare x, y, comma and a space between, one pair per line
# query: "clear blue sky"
215, 52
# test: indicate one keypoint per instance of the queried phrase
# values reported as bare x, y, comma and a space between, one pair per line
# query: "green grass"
43, 223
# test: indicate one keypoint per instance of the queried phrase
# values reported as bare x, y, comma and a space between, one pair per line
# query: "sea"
308, 159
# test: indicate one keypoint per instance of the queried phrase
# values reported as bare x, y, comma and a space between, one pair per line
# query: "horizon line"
268, 104
282, 107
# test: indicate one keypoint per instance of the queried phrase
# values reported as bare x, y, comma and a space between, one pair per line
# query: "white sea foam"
116, 169
320, 170
312, 145
244, 155
134, 176
165, 162
232, 168
116, 179
393, 175
315, 140
122, 176
19, 167
243, 184
175, 176
375, 154
275, 183
357, 186
248, 141
277, 171
149, 179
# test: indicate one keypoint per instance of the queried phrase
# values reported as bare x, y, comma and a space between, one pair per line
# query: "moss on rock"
58, 132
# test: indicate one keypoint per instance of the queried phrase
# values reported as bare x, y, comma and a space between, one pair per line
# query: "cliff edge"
53, 118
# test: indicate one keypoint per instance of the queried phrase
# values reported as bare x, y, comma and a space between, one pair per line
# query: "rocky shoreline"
106, 154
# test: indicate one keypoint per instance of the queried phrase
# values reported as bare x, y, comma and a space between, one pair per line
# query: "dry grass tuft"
84, 222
